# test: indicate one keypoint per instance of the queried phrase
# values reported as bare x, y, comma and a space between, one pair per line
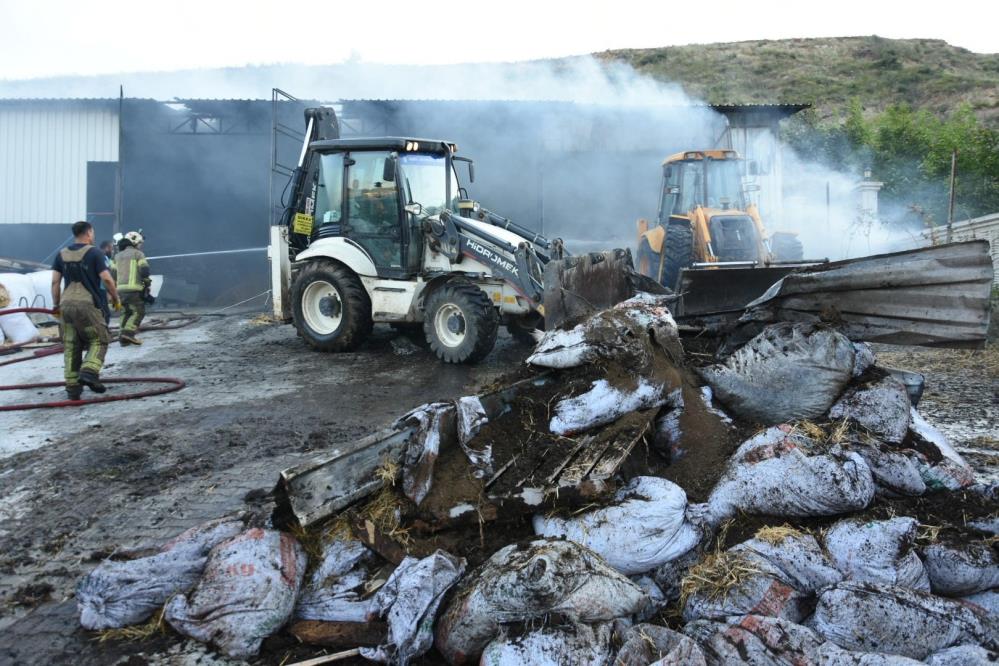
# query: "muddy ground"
77, 483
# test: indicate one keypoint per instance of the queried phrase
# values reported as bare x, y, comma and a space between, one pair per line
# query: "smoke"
824, 206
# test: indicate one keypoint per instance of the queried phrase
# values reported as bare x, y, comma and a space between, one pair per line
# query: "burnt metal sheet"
710, 290
935, 296
324, 485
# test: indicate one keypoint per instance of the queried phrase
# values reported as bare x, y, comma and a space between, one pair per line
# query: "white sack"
526, 582
878, 551
41, 283
471, 417
409, 600
649, 644
335, 588
963, 655
956, 571
988, 601
787, 372
781, 472
431, 422
882, 407
579, 644
897, 620
797, 559
896, 473
643, 526
246, 593
950, 472
603, 404
121, 593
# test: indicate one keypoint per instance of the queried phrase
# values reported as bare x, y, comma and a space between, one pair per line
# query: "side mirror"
672, 189
388, 170
414, 208
471, 167
753, 168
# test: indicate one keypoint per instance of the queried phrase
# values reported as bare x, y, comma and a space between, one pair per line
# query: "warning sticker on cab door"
302, 224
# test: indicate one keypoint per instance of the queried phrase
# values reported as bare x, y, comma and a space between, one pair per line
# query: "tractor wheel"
679, 247
332, 310
786, 247
648, 259
460, 323
522, 327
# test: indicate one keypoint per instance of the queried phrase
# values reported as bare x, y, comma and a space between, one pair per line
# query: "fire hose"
172, 384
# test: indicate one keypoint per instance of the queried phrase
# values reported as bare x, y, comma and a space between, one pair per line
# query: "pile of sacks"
31, 290
594, 585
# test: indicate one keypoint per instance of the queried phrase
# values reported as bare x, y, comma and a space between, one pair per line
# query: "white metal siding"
985, 227
43, 160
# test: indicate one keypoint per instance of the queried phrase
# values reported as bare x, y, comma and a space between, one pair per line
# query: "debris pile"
616, 501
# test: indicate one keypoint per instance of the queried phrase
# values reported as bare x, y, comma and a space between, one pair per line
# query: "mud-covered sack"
335, 590
528, 581
761, 640
898, 620
878, 551
863, 358
641, 528
881, 406
988, 601
787, 372
782, 472
554, 646
792, 557
246, 593
944, 468
963, 655
646, 644
896, 473
409, 601
604, 403
774, 574
959, 570
625, 333
754, 639
121, 593
434, 425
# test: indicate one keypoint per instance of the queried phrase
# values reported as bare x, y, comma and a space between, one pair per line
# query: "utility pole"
950, 209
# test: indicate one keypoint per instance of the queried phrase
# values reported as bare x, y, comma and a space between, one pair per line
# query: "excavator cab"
376, 193
707, 222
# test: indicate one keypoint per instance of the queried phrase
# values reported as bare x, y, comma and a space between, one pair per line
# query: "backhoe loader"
708, 232
380, 230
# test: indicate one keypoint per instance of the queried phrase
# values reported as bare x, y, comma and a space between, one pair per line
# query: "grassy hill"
925, 73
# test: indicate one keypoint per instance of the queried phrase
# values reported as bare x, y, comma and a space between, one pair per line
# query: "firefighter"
132, 272
83, 309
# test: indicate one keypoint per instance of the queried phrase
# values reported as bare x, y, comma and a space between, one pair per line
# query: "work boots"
127, 339
74, 392
89, 379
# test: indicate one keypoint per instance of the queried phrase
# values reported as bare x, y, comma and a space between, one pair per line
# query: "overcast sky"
41, 38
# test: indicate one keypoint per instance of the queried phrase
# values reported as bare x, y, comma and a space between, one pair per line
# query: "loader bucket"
705, 291
578, 286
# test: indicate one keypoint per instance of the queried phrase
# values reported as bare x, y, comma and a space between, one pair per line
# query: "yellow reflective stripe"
133, 273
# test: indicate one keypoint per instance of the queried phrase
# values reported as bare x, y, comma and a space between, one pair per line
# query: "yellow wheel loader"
707, 234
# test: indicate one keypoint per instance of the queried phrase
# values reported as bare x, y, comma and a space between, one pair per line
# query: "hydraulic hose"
172, 385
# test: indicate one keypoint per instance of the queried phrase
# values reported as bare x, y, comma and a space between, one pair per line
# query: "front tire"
332, 311
678, 244
522, 327
460, 323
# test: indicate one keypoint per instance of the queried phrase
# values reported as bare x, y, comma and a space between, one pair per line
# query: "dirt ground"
77, 483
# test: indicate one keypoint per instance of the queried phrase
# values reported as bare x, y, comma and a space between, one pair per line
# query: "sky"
43, 38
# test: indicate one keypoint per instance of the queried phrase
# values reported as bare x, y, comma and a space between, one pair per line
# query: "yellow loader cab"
705, 217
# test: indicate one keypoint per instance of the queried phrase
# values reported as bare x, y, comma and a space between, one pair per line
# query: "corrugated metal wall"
44, 150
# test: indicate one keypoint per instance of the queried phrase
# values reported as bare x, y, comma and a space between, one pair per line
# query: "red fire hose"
173, 385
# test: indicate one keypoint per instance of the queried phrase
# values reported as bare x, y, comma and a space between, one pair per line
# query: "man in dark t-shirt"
84, 309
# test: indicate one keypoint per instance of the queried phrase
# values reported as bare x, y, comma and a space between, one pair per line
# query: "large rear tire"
678, 244
460, 323
332, 311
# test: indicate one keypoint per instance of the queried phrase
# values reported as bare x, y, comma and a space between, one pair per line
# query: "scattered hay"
946, 360
263, 320
775, 536
310, 540
717, 574
384, 510
388, 472
927, 534
140, 632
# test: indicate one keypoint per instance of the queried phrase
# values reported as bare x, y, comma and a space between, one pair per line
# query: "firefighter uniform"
84, 313
132, 273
